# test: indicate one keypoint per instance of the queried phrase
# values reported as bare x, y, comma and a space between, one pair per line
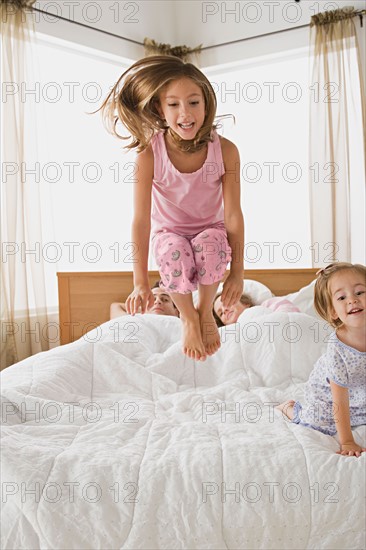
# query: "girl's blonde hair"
134, 99
322, 296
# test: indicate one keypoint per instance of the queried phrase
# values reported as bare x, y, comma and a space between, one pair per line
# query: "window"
87, 178
270, 102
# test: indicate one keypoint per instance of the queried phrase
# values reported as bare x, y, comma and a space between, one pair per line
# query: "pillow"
277, 347
304, 300
257, 291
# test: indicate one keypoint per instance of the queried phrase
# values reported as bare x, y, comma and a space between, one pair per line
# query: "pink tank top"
186, 204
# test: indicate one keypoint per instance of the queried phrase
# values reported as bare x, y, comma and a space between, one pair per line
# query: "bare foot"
287, 408
210, 334
192, 341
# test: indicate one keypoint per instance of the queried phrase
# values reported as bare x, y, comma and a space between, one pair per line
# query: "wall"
189, 22
134, 20
213, 22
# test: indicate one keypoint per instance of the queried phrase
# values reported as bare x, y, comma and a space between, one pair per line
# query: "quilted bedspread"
119, 440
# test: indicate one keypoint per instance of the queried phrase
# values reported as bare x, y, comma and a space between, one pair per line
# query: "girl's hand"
351, 449
141, 299
232, 290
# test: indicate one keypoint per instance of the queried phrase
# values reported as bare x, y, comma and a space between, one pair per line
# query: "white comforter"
160, 452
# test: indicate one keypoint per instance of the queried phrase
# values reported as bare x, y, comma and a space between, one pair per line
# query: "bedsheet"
118, 440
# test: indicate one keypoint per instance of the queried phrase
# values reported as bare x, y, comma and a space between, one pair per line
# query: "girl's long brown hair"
134, 98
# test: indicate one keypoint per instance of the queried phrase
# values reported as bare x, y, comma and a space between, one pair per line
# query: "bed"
85, 297
117, 440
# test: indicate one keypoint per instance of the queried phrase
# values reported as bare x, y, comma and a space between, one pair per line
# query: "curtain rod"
252, 37
359, 13
88, 26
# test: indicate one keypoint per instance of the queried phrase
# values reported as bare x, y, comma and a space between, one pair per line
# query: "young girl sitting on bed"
335, 394
187, 193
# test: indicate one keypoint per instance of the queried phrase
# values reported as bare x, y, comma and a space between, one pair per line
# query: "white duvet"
120, 441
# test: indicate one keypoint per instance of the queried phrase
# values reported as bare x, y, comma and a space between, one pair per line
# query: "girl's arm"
234, 222
343, 422
141, 297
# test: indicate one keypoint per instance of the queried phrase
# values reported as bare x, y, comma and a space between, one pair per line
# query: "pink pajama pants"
186, 261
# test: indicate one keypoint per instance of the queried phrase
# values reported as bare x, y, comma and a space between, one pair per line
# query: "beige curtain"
188, 55
24, 318
337, 101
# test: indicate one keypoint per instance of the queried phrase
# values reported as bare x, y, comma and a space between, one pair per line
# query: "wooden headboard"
85, 297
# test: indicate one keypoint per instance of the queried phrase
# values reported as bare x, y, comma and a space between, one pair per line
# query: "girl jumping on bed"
335, 394
186, 195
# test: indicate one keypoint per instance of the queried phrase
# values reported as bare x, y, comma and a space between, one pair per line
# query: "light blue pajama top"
346, 367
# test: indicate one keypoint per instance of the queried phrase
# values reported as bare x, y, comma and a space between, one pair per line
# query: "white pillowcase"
257, 291
304, 299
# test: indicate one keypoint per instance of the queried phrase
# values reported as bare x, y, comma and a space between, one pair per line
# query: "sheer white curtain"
361, 57
24, 318
337, 137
